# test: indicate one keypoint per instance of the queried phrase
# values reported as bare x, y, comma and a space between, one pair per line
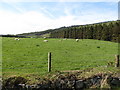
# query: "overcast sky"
22, 17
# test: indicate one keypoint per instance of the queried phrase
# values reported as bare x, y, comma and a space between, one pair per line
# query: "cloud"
14, 23
24, 21
47, 12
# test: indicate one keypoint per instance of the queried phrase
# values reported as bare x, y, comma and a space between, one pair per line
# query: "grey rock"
79, 84
115, 82
71, 84
21, 85
96, 80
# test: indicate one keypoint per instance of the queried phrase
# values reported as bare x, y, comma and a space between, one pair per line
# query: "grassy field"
29, 55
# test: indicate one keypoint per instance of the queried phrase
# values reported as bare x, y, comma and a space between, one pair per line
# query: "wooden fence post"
117, 61
49, 61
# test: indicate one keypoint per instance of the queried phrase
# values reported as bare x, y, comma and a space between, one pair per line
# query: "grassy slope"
29, 55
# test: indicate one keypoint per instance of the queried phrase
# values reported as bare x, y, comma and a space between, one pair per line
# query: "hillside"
90, 62
29, 55
27, 58
108, 31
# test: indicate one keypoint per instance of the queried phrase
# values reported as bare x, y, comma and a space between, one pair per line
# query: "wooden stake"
117, 61
49, 61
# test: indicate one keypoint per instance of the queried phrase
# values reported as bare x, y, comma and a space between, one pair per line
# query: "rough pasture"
29, 55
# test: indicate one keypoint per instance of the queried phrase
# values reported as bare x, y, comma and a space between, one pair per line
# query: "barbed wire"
80, 66
56, 68
87, 54
25, 67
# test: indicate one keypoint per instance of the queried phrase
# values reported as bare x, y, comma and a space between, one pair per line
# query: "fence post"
49, 61
117, 61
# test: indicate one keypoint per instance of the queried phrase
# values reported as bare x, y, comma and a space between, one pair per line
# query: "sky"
23, 17
119, 10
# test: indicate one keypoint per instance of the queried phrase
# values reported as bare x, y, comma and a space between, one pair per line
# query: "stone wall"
63, 82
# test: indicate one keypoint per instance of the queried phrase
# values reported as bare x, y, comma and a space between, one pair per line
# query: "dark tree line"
12, 36
108, 31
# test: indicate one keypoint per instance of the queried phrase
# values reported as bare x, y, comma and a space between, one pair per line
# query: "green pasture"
29, 55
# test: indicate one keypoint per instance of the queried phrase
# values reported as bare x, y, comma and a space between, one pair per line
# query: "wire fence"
44, 64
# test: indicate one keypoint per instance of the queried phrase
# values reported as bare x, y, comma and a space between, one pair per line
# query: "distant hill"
37, 34
108, 31
45, 33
